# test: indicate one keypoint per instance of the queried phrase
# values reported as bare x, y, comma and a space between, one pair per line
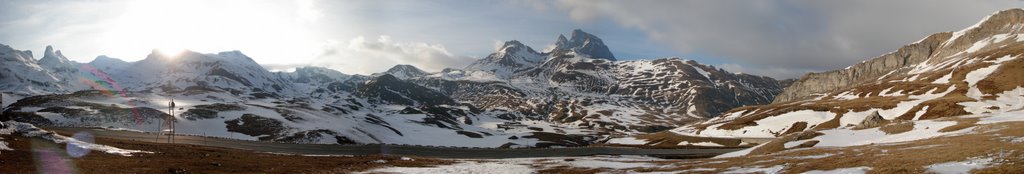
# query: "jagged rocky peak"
561, 40
53, 57
404, 71
11, 54
514, 46
585, 43
513, 55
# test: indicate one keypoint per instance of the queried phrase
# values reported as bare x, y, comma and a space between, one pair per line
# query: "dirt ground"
34, 155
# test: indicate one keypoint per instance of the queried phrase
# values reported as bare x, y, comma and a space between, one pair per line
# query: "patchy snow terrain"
515, 97
28, 130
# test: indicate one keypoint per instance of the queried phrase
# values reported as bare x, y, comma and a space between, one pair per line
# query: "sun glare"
170, 52
172, 26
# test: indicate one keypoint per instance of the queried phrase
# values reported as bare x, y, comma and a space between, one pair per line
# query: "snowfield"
28, 130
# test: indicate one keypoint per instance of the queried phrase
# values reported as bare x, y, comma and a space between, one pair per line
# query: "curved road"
422, 151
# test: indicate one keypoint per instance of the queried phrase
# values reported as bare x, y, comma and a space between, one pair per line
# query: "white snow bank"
597, 163
531, 165
1003, 117
29, 130
626, 140
3, 145
814, 156
957, 167
772, 169
846, 137
465, 167
852, 170
740, 152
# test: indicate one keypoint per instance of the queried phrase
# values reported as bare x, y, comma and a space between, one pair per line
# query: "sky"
776, 38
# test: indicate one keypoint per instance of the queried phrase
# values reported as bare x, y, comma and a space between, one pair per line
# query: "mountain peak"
105, 59
512, 43
404, 71
586, 43
561, 40
996, 23
514, 46
53, 58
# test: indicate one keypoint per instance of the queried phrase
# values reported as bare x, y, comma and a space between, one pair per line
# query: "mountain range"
575, 94
948, 84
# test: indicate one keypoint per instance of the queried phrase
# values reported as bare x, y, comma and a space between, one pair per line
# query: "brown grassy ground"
28, 157
1006, 77
909, 157
666, 138
961, 123
897, 127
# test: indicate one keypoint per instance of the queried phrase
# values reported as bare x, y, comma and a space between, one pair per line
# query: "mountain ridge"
568, 91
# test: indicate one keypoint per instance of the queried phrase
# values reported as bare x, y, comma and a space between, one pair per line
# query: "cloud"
364, 56
783, 34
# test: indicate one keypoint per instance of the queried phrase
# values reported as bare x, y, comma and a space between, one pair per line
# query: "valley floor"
988, 148
35, 155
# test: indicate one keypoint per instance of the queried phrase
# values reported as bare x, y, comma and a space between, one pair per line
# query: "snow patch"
29, 130
627, 140
957, 167
974, 76
772, 169
848, 137
851, 170
465, 167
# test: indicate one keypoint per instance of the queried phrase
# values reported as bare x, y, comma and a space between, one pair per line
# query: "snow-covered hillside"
514, 97
969, 74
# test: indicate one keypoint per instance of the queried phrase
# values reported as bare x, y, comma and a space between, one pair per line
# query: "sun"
172, 26
170, 52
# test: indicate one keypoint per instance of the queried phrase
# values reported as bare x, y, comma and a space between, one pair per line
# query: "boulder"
873, 120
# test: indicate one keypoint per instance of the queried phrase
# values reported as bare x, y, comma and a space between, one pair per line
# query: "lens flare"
99, 80
75, 150
49, 159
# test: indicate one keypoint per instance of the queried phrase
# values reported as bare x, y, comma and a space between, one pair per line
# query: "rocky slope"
962, 76
568, 85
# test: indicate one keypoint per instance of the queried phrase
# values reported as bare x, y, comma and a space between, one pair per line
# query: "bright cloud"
365, 56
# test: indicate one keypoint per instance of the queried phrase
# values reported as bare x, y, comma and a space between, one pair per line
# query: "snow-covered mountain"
24, 74
932, 87
513, 57
567, 85
584, 43
573, 95
404, 72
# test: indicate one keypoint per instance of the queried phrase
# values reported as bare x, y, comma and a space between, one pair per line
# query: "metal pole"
159, 130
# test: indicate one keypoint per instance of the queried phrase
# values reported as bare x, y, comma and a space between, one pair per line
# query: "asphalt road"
422, 151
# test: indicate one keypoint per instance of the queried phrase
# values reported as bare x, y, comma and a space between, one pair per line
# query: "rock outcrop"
873, 120
934, 48
586, 43
817, 83
948, 74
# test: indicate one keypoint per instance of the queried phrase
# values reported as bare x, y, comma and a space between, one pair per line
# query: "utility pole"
170, 122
